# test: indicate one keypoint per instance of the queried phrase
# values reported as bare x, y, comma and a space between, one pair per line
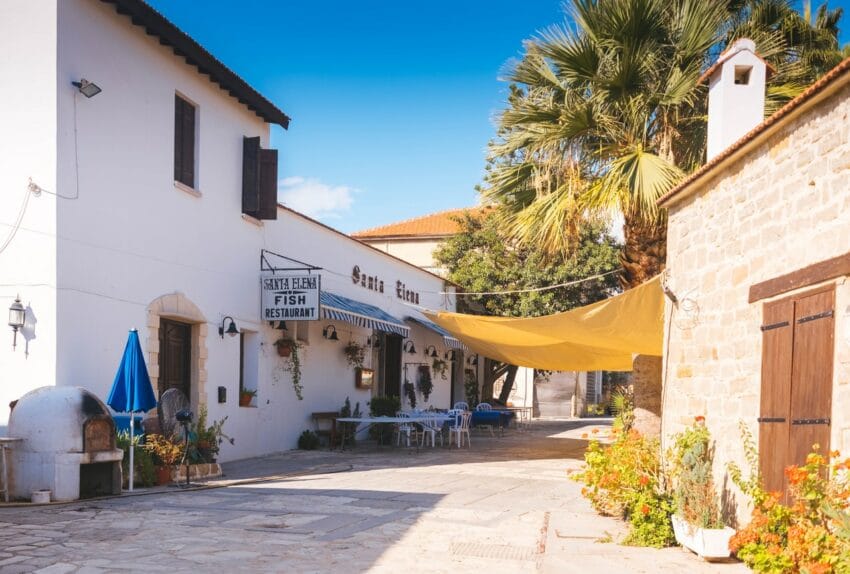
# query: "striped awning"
450, 341
339, 308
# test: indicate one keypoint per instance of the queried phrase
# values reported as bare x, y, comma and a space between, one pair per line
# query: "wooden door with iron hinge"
796, 388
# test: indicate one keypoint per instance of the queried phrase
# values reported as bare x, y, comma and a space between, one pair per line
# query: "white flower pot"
40, 496
707, 543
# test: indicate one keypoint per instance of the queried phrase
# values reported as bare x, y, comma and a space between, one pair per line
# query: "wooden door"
175, 355
391, 376
796, 387
811, 381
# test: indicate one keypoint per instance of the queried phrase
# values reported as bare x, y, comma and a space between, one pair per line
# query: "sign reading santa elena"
290, 297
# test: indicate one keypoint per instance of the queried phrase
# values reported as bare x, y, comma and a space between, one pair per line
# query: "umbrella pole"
131, 451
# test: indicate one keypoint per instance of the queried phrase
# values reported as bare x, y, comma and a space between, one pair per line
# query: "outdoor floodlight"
88, 89
230, 330
329, 333
17, 313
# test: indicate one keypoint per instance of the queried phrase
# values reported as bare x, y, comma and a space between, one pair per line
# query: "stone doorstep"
196, 471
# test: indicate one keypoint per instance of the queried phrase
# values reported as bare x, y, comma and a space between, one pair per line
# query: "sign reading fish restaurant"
294, 297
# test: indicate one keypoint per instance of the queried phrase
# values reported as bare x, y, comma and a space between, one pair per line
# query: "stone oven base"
100, 479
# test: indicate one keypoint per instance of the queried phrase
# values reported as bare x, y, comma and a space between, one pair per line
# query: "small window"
742, 75
184, 142
259, 180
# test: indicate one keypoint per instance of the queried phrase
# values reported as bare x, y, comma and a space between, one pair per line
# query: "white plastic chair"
461, 406
432, 427
484, 407
405, 429
461, 428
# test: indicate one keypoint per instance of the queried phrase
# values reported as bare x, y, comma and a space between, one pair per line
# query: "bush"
383, 407
691, 472
624, 479
308, 440
812, 535
143, 466
348, 430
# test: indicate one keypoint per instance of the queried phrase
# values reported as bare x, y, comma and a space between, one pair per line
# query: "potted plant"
166, 453
205, 441
355, 354
285, 346
246, 396
424, 382
697, 521
440, 367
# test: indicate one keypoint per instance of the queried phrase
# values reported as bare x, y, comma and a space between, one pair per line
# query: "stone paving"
503, 506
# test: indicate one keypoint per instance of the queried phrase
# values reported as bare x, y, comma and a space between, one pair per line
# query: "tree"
607, 115
481, 260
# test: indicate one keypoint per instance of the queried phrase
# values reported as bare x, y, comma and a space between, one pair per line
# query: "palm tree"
605, 116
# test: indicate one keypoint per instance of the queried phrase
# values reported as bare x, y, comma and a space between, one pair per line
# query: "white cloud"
314, 198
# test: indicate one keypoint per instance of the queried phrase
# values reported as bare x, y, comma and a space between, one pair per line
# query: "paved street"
506, 505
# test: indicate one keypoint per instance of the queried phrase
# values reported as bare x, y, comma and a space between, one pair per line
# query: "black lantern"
17, 313
329, 333
431, 351
374, 341
230, 329
409, 347
473, 360
450, 355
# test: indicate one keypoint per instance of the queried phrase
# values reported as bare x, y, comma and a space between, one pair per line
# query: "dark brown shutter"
811, 383
251, 176
184, 141
268, 184
774, 421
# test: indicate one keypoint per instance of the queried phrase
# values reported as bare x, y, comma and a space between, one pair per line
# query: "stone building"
758, 258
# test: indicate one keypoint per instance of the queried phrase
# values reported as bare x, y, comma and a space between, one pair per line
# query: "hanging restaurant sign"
289, 296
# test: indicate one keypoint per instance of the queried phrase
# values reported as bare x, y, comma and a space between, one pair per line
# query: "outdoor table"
5, 443
523, 415
369, 421
501, 418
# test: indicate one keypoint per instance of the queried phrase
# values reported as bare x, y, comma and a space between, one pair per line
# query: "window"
259, 180
742, 75
249, 356
184, 142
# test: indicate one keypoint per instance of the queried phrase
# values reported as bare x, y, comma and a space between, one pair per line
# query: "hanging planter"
355, 354
424, 381
284, 346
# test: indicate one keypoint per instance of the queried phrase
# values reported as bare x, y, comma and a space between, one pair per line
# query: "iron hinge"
810, 422
823, 315
774, 326
771, 419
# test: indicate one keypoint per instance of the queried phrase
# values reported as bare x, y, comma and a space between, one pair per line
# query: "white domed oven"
68, 445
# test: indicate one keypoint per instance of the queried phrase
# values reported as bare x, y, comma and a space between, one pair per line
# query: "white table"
419, 419
5, 443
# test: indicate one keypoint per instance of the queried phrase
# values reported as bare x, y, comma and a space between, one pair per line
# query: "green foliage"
144, 473
355, 354
480, 259
691, 460
205, 441
470, 387
347, 430
166, 451
624, 479
383, 407
409, 392
623, 408
308, 440
424, 381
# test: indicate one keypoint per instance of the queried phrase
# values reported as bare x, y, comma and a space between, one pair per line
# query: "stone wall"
646, 379
782, 207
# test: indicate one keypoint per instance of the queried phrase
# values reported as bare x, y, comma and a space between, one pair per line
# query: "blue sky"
392, 103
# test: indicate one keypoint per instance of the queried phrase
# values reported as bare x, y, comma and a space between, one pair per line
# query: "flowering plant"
355, 354
812, 534
690, 460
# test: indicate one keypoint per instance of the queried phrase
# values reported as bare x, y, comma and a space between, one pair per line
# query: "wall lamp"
450, 355
473, 360
230, 330
374, 341
329, 333
431, 351
88, 89
16, 319
409, 347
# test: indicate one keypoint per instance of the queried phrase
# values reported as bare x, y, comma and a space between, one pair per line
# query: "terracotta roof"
155, 24
438, 224
776, 119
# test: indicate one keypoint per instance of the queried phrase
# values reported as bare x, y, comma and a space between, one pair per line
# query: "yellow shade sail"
603, 336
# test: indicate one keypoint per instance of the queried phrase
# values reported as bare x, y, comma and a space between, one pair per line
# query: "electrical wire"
17, 225
532, 290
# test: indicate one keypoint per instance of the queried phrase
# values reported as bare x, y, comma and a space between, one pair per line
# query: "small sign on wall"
290, 296
364, 378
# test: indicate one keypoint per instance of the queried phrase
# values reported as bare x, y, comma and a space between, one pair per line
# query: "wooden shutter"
184, 141
811, 383
774, 421
251, 176
268, 184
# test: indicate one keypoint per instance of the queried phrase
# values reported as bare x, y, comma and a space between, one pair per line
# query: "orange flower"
594, 431
795, 474
644, 509
699, 419
584, 435
834, 454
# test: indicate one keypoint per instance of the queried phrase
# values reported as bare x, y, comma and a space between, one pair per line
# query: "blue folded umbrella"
131, 390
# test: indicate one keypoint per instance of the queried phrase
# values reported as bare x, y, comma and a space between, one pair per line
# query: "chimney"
736, 86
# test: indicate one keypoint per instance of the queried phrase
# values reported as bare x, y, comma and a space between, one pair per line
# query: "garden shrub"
144, 473
308, 440
624, 479
383, 407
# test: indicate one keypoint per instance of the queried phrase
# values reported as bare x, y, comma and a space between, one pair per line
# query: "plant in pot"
440, 367
289, 348
285, 345
246, 396
424, 381
697, 521
355, 354
166, 453
205, 441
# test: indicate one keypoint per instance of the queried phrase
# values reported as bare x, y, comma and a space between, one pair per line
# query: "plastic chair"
461, 429
403, 429
485, 407
431, 427
460, 405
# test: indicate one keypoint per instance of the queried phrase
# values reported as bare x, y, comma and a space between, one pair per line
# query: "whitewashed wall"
131, 236
27, 150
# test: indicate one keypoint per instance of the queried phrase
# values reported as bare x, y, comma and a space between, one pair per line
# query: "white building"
138, 216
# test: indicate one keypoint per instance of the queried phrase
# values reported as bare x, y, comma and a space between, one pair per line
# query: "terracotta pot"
163, 475
284, 350
245, 400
